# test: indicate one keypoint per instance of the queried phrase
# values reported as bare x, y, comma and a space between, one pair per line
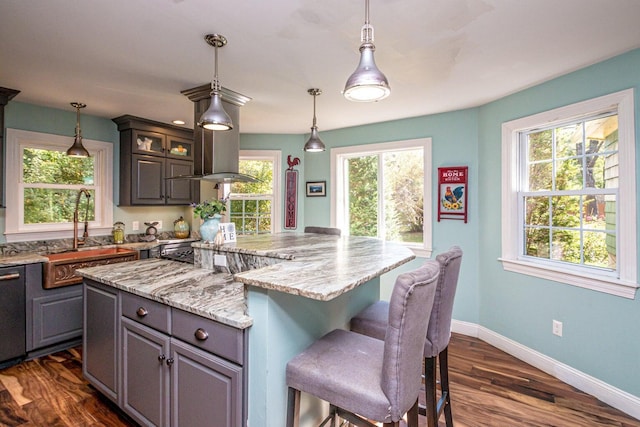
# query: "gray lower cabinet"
175, 368
202, 380
100, 342
54, 316
145, 376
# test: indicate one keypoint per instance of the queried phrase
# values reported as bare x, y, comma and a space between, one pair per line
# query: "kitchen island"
286, 290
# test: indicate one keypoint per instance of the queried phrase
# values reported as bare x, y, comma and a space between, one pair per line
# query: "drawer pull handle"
141, 312
161, 358
201, 334
10, 276
170, 361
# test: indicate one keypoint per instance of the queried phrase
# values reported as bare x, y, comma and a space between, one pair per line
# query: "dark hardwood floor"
488, 388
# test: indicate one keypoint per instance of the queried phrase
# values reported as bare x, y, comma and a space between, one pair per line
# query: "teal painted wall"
600, 335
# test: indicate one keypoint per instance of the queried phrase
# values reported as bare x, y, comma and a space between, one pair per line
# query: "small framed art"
452, 193
316, 188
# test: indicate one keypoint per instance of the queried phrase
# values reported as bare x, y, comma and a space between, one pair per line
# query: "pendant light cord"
314, 108
216, 82
366, 36
78, 130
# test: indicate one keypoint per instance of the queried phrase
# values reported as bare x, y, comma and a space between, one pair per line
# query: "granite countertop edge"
211, 295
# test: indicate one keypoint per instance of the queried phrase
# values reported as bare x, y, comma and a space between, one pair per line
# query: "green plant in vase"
210, 211
209, 208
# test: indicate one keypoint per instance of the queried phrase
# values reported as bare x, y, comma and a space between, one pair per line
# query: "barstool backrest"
439, 331
409, 311
323, 230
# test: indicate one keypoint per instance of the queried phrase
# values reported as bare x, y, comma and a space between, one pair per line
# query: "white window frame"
625, 284
275, 156
340, 155
15, 229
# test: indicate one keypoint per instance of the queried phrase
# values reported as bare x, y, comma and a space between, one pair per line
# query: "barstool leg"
293, 407
430, 391
443, 359
412, 416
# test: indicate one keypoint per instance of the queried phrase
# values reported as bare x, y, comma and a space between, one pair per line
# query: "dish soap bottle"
118, 233
181, 228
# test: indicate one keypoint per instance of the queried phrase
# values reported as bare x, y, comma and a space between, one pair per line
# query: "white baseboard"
610, 395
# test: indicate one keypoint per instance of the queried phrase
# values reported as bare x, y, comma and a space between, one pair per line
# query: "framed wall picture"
316, 188
452, 193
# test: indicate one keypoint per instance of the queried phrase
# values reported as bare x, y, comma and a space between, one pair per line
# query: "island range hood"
219, 151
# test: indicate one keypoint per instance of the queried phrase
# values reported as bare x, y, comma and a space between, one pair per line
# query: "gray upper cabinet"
151, 152
6, 95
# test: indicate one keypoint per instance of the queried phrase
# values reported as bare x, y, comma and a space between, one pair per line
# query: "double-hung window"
254, 207
384, 190
43, 184
569, 195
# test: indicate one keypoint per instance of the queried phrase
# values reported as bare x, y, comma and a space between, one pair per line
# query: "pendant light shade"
314, 144
367, 83
215, 118
77, 149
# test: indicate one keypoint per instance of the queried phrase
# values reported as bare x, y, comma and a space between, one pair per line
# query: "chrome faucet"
77, 241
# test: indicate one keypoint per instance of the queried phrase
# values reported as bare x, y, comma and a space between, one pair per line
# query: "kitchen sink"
61, 268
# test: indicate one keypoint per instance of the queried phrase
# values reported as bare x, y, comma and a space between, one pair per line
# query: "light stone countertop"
177, 284
315, 266
34, 258
21, 259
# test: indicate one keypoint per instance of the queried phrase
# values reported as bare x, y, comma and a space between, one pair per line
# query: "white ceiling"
135, 56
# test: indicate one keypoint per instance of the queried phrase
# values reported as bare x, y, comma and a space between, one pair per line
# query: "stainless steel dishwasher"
12, 313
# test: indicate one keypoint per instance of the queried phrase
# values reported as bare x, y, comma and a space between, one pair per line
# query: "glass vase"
209, 228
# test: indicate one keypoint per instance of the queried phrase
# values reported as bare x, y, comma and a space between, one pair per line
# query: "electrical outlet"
557, 328
135, 225
220, 260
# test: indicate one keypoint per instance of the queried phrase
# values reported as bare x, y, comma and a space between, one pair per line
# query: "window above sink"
54, 190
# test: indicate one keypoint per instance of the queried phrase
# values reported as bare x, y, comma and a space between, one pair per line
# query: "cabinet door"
100, 338
179, 191
145, 374
152, 143
179, 148
147, 185
205, 390
56, 317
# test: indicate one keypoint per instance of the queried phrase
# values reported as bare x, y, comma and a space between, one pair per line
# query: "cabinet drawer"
222, 340
147, 312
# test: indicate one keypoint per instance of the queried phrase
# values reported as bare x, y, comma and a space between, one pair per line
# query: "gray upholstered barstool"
372, 322
323, 230
377, 380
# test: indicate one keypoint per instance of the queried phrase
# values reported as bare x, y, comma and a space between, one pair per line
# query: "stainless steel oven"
177, 250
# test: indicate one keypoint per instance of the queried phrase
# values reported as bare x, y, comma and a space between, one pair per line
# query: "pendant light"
367, 83
215, 118
314, 144
77, 149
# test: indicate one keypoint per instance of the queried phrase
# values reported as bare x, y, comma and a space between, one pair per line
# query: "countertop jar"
118, 232
181, 228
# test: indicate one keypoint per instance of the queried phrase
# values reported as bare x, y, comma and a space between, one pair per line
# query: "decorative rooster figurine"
292, 163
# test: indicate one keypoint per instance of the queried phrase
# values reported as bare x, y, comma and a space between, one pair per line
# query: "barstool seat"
372, 322
364, 378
